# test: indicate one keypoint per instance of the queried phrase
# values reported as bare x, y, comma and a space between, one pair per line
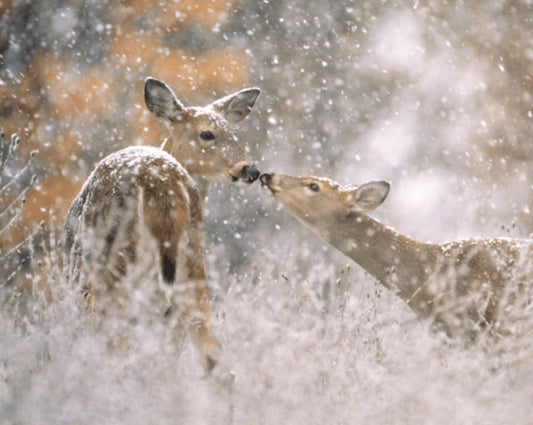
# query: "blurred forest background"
434, 96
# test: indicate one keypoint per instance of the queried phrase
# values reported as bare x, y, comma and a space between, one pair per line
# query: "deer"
462, 286
161, 191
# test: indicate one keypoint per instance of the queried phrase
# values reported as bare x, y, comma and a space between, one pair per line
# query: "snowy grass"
311, 342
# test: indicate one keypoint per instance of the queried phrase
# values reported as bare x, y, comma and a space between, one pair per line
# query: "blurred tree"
72, 73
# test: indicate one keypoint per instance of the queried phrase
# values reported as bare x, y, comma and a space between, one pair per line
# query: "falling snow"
433, 97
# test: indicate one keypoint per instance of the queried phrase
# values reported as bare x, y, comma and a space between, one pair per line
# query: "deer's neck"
203, 188
397, 261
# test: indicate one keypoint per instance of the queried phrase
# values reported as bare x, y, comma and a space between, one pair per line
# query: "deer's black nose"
266, 178
250, 173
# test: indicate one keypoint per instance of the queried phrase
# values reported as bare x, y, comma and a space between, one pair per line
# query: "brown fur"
105, 219
461, 284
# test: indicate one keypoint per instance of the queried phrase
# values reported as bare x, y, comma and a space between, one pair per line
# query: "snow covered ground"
311, 341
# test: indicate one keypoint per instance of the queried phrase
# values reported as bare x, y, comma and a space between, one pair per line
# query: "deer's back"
486, 260
476, 280
129, 184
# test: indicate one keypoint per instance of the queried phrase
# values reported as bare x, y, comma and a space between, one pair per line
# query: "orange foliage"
214, 70
54, 93
63, 150
71, 93
5, 6
19, 106
130, 48
50, 197
211, 71
205, 12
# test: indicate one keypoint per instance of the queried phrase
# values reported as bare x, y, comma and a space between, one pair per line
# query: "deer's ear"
162, 102
369, 196
235, 107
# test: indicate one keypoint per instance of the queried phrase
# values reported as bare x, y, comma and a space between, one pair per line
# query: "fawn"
147, 185
461, 285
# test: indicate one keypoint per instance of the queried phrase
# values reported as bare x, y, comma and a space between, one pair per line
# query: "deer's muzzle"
266, 181
245, 172
249, 173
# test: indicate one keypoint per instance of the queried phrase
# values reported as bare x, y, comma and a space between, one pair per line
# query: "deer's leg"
197, 315
120, 250
190, 303
190, 298
78, 273
198, 319
169, 219
88, 296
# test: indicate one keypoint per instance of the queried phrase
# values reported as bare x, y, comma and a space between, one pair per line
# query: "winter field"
434, 97
322, 345
309, 338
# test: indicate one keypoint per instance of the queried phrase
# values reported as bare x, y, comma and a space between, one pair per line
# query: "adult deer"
148, 186
464, 285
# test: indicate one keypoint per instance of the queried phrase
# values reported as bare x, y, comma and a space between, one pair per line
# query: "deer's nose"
250, 173
266, 178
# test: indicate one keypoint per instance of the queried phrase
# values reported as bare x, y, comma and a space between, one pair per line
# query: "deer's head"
316, 200
203, 138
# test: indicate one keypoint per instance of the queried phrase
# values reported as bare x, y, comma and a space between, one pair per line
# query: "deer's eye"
314, 187
207, 136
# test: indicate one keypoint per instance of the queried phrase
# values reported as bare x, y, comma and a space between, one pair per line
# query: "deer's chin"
237, 179
268, 190
220, 178
246, 182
